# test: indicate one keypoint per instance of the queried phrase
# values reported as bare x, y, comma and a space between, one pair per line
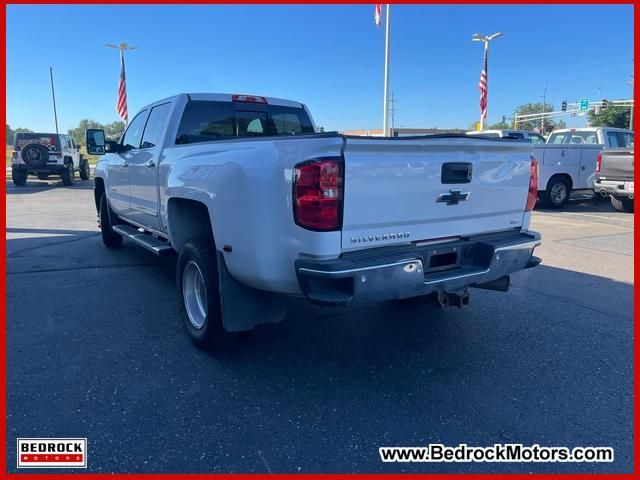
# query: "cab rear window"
204, 121
574, 138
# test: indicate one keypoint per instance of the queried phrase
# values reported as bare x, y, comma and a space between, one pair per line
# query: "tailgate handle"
456, 172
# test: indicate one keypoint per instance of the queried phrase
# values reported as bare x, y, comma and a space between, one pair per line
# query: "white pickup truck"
527, 135
260, 207
568, 160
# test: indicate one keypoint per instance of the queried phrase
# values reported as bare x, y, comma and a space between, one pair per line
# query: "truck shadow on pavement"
548, 362
36, 186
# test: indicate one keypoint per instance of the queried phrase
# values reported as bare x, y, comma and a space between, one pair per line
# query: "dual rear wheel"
196, 281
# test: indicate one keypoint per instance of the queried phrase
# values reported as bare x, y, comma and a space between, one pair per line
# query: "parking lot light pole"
385, 113
630, 82
53, 95
476, 37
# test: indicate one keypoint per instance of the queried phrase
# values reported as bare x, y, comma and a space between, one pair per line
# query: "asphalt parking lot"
96, 349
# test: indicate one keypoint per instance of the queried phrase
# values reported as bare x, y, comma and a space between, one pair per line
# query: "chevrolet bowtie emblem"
453, 197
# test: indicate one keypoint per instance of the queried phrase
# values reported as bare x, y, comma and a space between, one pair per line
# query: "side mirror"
78, 147
95, 141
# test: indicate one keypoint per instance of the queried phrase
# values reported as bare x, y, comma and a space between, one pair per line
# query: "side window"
535, 138
612, 139
155, 126
133, 134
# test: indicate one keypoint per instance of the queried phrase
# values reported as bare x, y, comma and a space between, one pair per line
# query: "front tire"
19, 177
110, 238
622, 204
197, 283
68, 175
557, 193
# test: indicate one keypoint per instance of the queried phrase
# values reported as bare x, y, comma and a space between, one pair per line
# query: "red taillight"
598, 162
248, 98
317, 194
533, 186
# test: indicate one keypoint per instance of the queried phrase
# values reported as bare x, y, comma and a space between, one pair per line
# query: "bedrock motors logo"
52, 453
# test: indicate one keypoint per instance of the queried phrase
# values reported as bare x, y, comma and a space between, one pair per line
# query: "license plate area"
440, 259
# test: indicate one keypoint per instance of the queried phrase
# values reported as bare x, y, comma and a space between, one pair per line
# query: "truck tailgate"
410, 189
617, 165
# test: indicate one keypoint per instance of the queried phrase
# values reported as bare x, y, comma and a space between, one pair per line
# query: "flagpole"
385, 122
476, 37
122, 47
486, 61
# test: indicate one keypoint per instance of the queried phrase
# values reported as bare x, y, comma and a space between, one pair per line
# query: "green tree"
611, 117
78, 132
114, 130
531, 108
499, 126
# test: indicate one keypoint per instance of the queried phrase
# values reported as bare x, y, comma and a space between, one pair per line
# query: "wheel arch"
186, 219
565, 176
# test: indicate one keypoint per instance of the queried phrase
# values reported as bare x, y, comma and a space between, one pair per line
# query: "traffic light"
605, 104
564, 105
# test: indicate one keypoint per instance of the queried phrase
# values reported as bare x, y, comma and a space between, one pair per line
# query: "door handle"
124, 164
150, 164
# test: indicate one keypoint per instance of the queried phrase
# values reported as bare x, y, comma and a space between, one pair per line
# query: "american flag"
484, 88
121, 105
378, 15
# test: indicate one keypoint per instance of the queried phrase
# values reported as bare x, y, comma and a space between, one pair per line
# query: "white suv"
45, 154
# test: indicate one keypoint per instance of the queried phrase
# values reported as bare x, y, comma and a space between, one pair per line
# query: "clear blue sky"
328, 56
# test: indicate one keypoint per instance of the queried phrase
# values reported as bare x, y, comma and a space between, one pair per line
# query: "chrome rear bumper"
410, 271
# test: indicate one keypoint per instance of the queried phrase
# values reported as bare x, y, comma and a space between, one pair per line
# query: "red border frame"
96, 476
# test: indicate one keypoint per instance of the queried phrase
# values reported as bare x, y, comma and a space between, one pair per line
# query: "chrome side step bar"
153, 244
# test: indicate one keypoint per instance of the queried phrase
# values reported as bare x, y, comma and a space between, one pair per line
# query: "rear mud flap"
243, 307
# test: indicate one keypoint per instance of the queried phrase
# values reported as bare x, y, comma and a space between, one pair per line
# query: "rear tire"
557, 193
110, 238
19, 177
197, 283
622, 204
85, 170
68, 175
